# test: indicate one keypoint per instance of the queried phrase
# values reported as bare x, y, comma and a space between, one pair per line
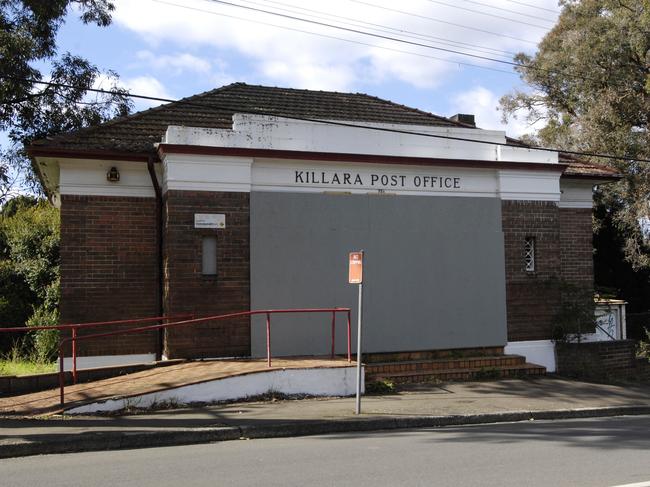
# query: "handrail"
92, 324
267, 312
75, 326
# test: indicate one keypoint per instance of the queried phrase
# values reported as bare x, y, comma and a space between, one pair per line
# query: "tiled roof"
578, 168
214, 109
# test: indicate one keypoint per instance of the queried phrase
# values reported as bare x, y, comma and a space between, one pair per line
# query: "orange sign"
355, 273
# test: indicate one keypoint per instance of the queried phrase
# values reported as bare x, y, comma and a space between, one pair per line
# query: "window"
529, 254
209, 255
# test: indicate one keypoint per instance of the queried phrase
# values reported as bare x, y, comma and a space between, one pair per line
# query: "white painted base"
108, 360
540, 352
335, 381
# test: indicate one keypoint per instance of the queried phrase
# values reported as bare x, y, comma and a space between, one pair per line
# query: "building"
466, 232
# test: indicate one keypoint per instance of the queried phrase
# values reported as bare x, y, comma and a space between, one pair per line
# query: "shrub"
45, 342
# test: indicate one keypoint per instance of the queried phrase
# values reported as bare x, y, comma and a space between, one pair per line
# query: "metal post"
333, 333
358, 401
349, 337
268, 339
61, 373
74, 355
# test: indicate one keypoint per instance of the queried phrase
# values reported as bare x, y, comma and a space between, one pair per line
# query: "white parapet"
540, 352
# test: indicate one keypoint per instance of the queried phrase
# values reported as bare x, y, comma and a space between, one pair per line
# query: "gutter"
159, 251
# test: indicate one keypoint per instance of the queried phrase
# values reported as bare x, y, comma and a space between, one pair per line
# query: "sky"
177, 48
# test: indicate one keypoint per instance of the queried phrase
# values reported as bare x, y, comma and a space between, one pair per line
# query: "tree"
29, 265
29, 110
590, 82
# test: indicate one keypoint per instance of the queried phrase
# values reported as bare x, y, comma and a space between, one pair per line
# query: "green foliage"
32, 243
29, 270
16, 302
45, 342
644, 346
19, 366
30, 111
590, 82
576, 315
383, 386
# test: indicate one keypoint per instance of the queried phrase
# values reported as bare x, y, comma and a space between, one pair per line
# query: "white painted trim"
239, 174
540, 352
529, 185
576, 194
332, 381
88, 177
50, 175
206, 173
95, 361
277, 133
296, 176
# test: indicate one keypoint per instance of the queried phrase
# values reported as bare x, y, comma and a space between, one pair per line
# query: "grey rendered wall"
433, 276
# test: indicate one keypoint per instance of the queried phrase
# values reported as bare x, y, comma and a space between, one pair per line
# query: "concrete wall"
434, 270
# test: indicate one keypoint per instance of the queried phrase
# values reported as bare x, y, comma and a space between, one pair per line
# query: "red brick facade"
576, 246
109, 267
188, 290
563, 238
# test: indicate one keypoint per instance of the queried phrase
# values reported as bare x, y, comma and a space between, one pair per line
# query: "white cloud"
298, 59
483, 103
147, 86
175, 63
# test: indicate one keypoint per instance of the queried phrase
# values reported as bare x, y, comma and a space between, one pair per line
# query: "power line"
489, 14
533, 6
510, 11
326, 36
410, 14
390, 38
234, 109
357, 31
385, 28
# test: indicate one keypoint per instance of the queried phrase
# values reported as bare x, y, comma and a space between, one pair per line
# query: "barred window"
529, 254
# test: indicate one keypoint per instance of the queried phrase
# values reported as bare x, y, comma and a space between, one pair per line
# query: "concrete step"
459, 374
498, 361
372, 358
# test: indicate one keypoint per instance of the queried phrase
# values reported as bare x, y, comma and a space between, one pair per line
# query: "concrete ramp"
191, 382
321, 381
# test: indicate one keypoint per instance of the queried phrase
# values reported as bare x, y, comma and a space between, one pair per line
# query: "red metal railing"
267, 312
75, 326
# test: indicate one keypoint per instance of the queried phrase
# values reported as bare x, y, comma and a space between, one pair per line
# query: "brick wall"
108, 267
563, 264
532, 298
598, 359
576, 246
187, 290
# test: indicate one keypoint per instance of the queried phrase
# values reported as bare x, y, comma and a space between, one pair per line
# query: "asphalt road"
594, 452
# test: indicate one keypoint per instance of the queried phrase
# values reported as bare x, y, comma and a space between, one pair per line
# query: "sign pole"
358, 402
355, 276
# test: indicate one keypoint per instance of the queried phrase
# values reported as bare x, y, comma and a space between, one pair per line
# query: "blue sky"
176, 48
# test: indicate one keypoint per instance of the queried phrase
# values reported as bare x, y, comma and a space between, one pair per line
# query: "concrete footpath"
415, 406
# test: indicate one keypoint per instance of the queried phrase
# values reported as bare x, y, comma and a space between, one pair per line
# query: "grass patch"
25, 367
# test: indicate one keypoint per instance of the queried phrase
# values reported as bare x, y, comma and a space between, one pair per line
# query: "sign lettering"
379, 181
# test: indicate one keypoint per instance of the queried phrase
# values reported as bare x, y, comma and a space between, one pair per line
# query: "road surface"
594, 452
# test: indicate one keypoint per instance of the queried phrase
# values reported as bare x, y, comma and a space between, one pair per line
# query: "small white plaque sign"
209, 220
